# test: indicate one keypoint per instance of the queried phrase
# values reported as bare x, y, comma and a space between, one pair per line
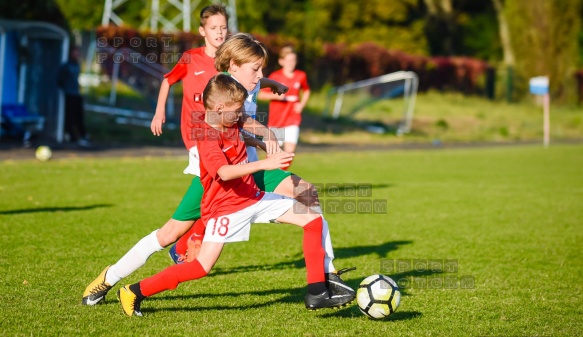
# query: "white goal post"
409, 91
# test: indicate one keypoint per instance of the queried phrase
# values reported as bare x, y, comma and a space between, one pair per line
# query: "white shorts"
235, 227
288, 134
193, 162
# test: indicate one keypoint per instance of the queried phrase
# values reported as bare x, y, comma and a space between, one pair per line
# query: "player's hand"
279, 88
279, 160
298, 108
272, 147
271, 144
157, 122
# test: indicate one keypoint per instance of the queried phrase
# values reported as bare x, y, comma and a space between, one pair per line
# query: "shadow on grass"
54, 209
294, 295
381, 250
353, 311
288, 295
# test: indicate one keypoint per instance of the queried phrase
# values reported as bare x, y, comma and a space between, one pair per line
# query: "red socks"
170, 277
313, 251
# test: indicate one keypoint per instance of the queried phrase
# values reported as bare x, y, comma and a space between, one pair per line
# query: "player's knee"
166, 238
172, 231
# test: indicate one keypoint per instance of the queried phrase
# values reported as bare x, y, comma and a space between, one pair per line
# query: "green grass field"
510, 217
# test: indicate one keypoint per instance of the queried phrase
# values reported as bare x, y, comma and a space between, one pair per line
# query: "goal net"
379, 103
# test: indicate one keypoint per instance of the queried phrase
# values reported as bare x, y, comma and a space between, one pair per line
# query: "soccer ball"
43, 153
378, 296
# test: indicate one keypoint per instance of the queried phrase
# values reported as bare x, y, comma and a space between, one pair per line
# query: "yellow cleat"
96, 290
129, 301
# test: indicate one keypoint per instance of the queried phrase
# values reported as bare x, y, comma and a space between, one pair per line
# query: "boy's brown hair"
285, 51
241, 48
223, 88
214, 9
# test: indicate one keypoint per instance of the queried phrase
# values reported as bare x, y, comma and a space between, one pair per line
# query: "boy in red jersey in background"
232, 202
285, 111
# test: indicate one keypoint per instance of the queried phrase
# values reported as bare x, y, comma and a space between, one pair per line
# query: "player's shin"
134, 258
314, 256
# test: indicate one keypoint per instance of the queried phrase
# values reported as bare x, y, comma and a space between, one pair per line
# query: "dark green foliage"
549, 47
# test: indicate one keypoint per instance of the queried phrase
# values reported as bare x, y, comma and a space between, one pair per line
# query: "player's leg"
182, 220
227, 228
285, 183
290, 139
319, 294
288, 184
189, 244
132, 295
290, 148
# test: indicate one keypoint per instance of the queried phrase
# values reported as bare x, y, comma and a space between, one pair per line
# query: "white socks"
134, 258
327, 243
148, 245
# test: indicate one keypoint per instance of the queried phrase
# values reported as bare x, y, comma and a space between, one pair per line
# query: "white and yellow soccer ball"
378, 296
43, 153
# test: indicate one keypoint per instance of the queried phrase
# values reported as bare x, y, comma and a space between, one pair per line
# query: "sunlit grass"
511, 219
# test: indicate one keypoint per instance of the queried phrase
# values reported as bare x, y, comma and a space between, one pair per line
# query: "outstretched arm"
276, 87
160, 116
278, 160
252, 141
251, 125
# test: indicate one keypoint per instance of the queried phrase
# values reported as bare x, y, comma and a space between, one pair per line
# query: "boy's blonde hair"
214, 9
241, 48
225, 89
285, 51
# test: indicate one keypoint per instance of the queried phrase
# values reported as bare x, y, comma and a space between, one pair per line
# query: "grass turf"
510, 218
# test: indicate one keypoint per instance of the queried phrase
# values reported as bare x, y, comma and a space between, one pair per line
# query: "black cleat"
327, 299
337, 285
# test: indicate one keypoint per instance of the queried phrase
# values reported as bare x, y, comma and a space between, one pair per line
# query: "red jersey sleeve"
210, 152
178, 72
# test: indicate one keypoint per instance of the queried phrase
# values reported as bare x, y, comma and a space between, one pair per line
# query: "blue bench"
17, 121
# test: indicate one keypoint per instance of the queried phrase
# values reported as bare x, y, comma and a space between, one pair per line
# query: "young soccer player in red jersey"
285, 111
232, 201
243, 57
195, 68
189, 211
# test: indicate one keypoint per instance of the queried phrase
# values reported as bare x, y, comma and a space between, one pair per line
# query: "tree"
441, 25
506, 46
545, 41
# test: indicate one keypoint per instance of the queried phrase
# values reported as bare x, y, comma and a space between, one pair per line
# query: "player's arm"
302, 103
276, 87
160, 115
270, 96
176, 74
254, 142
251, 125
278, 160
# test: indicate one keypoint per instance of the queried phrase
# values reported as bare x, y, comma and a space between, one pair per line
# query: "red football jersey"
281, 113
195, 68
217, 149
